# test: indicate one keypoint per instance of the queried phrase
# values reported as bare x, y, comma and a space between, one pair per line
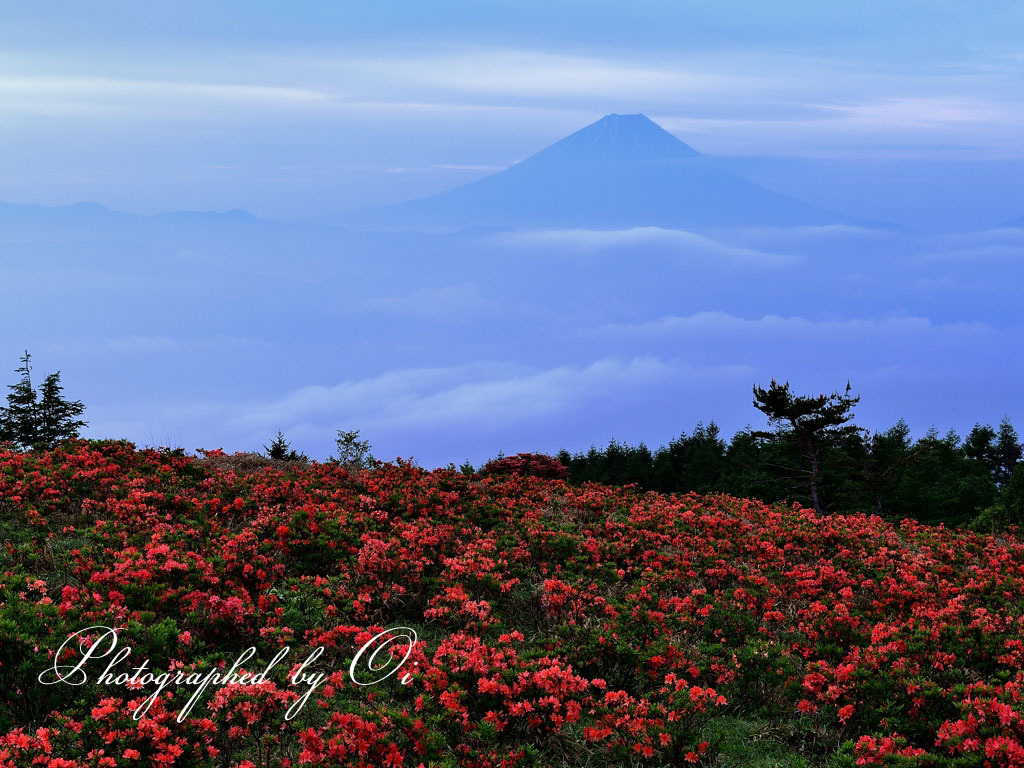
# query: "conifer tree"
809, 424
39, 420
58, 418
19, 420
979, 445
278, 448
281, 450
885, 459
1006, 453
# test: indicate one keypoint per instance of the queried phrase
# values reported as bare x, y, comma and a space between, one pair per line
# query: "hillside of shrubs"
558, 624
813, 454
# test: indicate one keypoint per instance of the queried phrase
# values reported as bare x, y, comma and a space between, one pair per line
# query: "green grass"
753, 744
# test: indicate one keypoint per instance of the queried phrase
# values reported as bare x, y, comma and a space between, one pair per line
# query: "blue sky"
218, 332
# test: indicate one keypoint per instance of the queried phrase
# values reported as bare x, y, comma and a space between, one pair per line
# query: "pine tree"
808, 424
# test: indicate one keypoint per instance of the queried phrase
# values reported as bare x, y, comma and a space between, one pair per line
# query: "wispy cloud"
533, 73
921, 112
746, 101
77, 95
680, 241
721, 323
986, 248
85, 87
480, 395
471, 167
449, 167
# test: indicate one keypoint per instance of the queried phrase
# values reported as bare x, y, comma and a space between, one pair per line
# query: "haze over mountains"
617, 283
621, 171
93, 220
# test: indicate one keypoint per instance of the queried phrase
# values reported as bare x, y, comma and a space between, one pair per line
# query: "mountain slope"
622, 171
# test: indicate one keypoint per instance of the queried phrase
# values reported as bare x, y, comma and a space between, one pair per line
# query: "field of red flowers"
557, 626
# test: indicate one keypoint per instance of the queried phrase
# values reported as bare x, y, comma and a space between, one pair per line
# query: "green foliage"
943, 483
627, 464
1008, 509
751, 744
700, 457
353, 453
58, 417
749, 470
884, 459
710, 631
23, 628
935, 479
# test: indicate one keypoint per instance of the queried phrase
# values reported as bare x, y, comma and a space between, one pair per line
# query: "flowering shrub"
558, 625
534, 464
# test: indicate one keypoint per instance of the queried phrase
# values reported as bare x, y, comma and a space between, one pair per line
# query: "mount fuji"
621, 171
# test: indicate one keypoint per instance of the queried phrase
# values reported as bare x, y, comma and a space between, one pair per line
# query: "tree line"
813, 454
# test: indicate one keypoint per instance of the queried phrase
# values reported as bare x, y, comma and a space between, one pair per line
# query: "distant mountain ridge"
97, 221
621, 171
